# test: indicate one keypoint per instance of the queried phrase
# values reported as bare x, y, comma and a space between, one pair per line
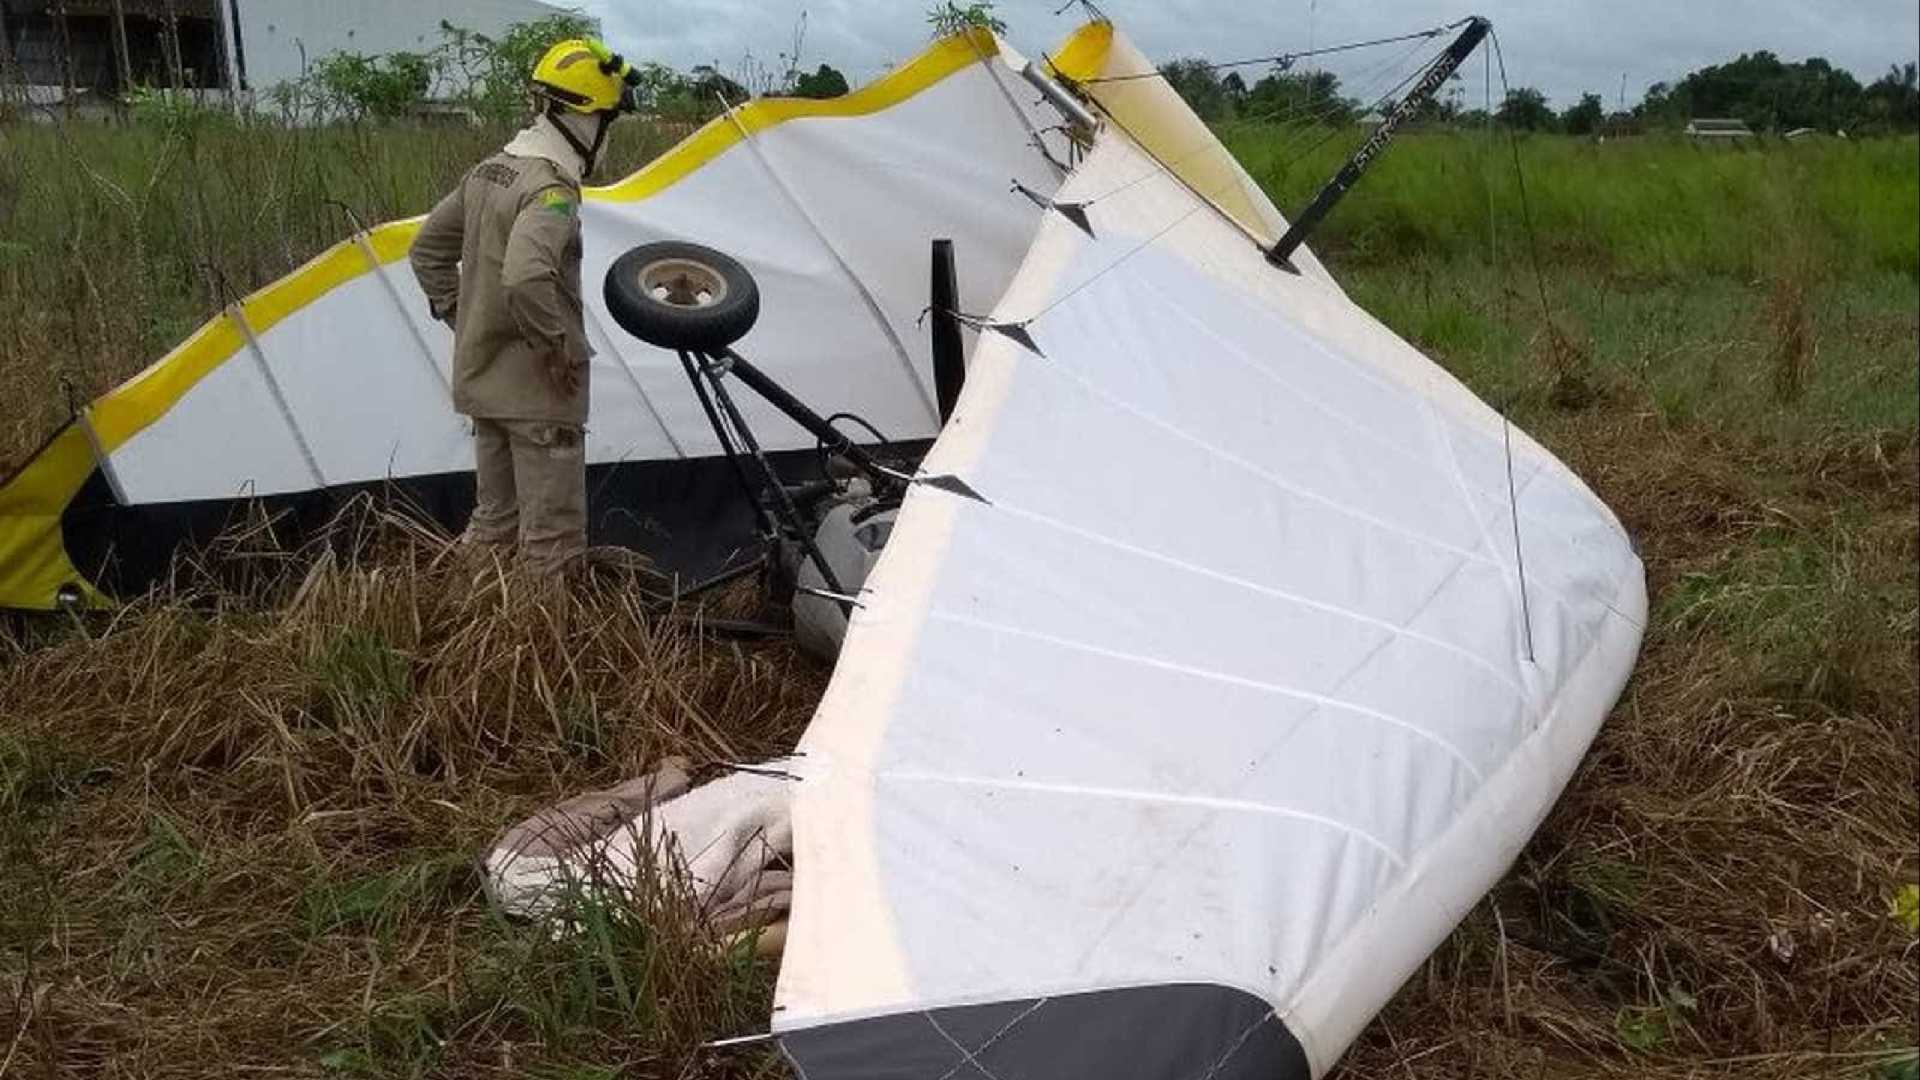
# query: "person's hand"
563, 373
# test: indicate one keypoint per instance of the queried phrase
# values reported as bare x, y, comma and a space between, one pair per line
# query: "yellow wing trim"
34, 563
130, 408
1083, 55
942, 59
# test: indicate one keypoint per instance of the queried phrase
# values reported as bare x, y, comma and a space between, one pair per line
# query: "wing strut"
1281, 254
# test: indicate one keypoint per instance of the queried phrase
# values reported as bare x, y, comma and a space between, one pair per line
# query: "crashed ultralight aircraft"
1249, 652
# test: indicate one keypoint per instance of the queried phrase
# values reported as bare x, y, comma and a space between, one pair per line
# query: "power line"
1286, 60
1520, 182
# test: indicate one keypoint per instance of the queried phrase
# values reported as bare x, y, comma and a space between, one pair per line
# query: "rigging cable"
1520, 181
1286, 60
1369, 80
1295, 150
1205, 202
1546, 313
1310, 114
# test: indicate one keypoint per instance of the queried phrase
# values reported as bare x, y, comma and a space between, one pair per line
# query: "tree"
1235, 87
1584, 118
1763, 90
824, 83
494, 71
1313, 97
1894, 99
1199, 84
948, 18
706, 84
1659, 109
658, 84
372, 87
1525, 109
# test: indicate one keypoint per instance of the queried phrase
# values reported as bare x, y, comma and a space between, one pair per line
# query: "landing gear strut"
698, 302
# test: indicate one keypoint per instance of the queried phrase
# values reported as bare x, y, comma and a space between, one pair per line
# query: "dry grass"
241, 826
237, 818
1792, 329
241, 817
1712, 897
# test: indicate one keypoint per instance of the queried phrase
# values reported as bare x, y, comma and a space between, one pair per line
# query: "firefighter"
499, 261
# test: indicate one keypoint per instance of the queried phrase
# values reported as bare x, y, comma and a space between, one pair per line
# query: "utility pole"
123, 64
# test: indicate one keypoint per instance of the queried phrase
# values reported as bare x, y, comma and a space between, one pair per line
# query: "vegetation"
487, 77
1768, 93
1773, 95
822, 83
483, 74
1525, 109
1728, 355
237, 817
948, 18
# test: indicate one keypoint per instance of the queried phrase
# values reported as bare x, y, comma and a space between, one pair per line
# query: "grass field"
236, 828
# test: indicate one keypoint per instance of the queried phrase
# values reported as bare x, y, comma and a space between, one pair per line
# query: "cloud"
1560, 46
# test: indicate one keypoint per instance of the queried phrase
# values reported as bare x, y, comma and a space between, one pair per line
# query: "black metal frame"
949, 353
773, 502
1281, 254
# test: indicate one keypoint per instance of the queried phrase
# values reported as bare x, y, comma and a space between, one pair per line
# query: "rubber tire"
672, 326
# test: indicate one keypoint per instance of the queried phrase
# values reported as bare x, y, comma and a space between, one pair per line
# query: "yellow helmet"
585, 76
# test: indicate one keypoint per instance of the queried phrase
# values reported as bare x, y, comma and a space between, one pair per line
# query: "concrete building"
68, 50
277, 39
67, 47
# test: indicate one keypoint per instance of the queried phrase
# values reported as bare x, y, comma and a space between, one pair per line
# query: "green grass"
235, 833
380, 904
1654, 208
120, 241
1701, 349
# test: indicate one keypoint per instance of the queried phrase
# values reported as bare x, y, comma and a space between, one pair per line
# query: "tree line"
487, 75
1769, 94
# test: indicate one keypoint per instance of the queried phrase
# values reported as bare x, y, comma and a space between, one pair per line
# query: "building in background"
87, 53
276, 40
1716, 128
69, 51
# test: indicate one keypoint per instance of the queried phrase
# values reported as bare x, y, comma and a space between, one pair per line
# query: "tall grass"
236, 822
1658, 208
116, 242
288, 787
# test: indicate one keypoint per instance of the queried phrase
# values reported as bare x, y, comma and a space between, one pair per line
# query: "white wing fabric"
1226, 687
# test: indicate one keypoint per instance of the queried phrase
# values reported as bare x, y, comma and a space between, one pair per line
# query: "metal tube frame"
715, 368
1281, 254
768, 528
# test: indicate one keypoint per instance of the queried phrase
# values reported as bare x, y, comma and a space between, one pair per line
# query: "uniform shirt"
499, 257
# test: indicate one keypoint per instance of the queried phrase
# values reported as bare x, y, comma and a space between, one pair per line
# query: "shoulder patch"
497, 173
558, 202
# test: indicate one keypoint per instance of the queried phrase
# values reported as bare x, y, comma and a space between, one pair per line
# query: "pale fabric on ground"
731, 840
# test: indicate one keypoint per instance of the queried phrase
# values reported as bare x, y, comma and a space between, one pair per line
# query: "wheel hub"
683, 283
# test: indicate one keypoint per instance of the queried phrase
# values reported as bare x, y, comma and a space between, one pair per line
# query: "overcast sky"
1563, 47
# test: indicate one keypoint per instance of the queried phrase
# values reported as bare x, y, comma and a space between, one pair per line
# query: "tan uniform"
499, 260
